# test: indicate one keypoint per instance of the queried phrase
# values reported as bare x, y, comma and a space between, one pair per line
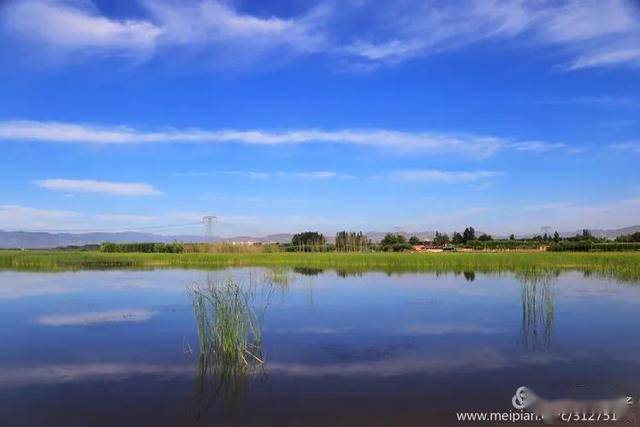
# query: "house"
427, 247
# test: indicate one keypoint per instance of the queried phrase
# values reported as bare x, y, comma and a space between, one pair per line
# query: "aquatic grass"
538, 309
619, 265
229, 315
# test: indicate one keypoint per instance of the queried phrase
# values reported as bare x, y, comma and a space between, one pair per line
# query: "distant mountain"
596, 232
377, 236
614, 233
44, 240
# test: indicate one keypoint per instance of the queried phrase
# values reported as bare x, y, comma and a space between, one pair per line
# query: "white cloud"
631, 147
606, 101
320, 175
364, 35
73, 26
548, 206
392, 51
210, 22
96, 318
403, 175
269, 175
77, 27
477, 146
431, 175
594, 32
103, 187
22, 218
608, 58
571, 216
537, 146
611, 214
16, 217
576, 20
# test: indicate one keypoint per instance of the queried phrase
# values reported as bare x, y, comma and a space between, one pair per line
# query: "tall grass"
538, 309
620, 265
229, 316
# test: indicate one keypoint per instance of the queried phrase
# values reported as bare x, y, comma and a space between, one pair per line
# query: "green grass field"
622, 265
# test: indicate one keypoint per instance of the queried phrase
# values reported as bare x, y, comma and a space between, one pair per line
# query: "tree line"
352, 241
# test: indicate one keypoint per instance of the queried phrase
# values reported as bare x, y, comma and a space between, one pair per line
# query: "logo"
519, 400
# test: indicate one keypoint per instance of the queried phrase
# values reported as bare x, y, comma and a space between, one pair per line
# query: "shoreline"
619, 264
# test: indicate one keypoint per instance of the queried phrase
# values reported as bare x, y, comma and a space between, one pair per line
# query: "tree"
512, 237
556, 237
457, 238
351, 241
394, 242
440, 239
635, 237
392, 239
468, 234
485, 237
413, 240
308, 240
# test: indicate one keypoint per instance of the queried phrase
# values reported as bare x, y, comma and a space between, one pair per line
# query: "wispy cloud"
320, 175
364, 35
632, 147
606, 101
432, 175
210, 22
206, 25
268, 175
96, 318
548, 206
573, 216
77, 26
537, 146
103, 187
608, 58
17, 217
478, 146
425, 28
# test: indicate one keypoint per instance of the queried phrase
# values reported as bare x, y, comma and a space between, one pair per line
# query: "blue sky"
284, 116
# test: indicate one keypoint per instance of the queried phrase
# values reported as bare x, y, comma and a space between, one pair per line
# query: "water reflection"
344, 273
537, 295
308, 271
229, 316
335, 348
469, 276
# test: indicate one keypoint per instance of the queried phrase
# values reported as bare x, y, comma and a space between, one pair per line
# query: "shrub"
173, 248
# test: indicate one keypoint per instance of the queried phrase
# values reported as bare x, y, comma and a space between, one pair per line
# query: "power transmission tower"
208, 222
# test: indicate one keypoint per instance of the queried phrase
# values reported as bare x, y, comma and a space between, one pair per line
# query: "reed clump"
229, 315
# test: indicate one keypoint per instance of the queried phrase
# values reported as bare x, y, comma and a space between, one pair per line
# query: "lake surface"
122, 348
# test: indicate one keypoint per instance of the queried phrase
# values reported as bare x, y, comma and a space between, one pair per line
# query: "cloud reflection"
96, 318
70, 373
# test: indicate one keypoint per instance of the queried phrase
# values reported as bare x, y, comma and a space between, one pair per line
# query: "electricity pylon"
208, 222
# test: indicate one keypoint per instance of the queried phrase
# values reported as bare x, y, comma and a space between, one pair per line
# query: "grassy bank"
625, 265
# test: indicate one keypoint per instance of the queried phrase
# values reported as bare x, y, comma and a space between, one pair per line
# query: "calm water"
121, 348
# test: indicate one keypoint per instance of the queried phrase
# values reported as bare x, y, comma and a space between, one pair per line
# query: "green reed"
619, 265
229, 314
